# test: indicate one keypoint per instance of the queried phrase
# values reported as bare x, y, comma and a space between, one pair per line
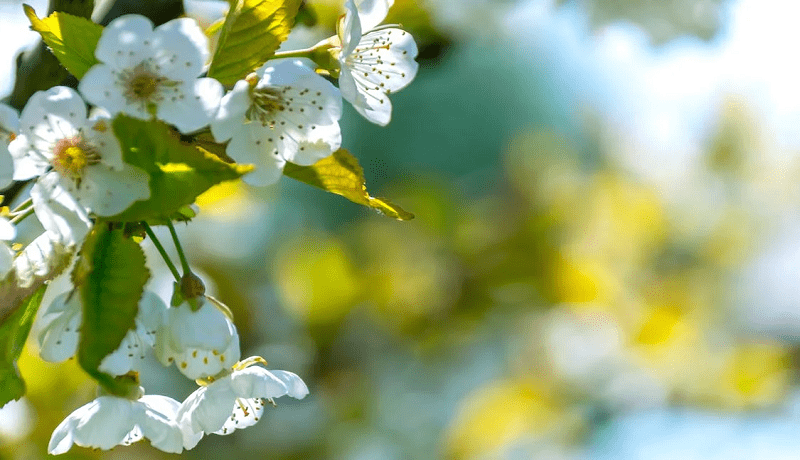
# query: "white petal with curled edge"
372, 12
257, 382
350, 28
102, 423
126, 41
232, 109
156, 418
208, 407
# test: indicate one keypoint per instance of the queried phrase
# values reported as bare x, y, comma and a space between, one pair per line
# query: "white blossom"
374, 61
109, 421
237, 400
287, 113
201, 343
41, 259
145, 72
9, 126
76, 154
60, 321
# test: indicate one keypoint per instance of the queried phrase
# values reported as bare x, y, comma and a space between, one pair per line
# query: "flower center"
143, 84
72, 155
267, 102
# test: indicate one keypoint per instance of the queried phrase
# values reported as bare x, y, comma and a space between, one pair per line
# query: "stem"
305, 53
24, 204
184, 263
20, 217
162, 251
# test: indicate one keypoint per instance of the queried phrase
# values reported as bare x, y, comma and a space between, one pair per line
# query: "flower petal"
183, 40
372, 12
28, 162
257, 382
58, 327
107, 192
350, 28
126, 41
102, 423
196, 109
231, 112
251, 145
58, 211
209, 407
156, 418
100, 87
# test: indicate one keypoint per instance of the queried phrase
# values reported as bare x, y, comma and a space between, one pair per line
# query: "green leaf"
72, 39
179, 172
341, 174
114, 275
13, 334
252, 32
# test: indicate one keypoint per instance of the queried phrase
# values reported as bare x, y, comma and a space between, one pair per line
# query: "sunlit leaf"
13, 334
178, 172
113, 283
341, 174
72, 39
252, 32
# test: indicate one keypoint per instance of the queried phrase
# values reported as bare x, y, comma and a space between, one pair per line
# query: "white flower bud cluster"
284, 112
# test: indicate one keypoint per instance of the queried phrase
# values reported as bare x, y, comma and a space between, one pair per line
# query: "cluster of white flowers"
284, 112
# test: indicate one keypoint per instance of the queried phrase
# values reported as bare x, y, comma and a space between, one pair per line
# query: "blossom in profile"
68, 152
374, 61
110, 421
284, 112
237, 400
145, 72
201, 343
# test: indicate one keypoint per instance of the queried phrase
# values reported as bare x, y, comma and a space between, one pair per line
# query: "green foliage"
252, 32
113, 274
72, 39
178, 172
13, 334
341, 174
